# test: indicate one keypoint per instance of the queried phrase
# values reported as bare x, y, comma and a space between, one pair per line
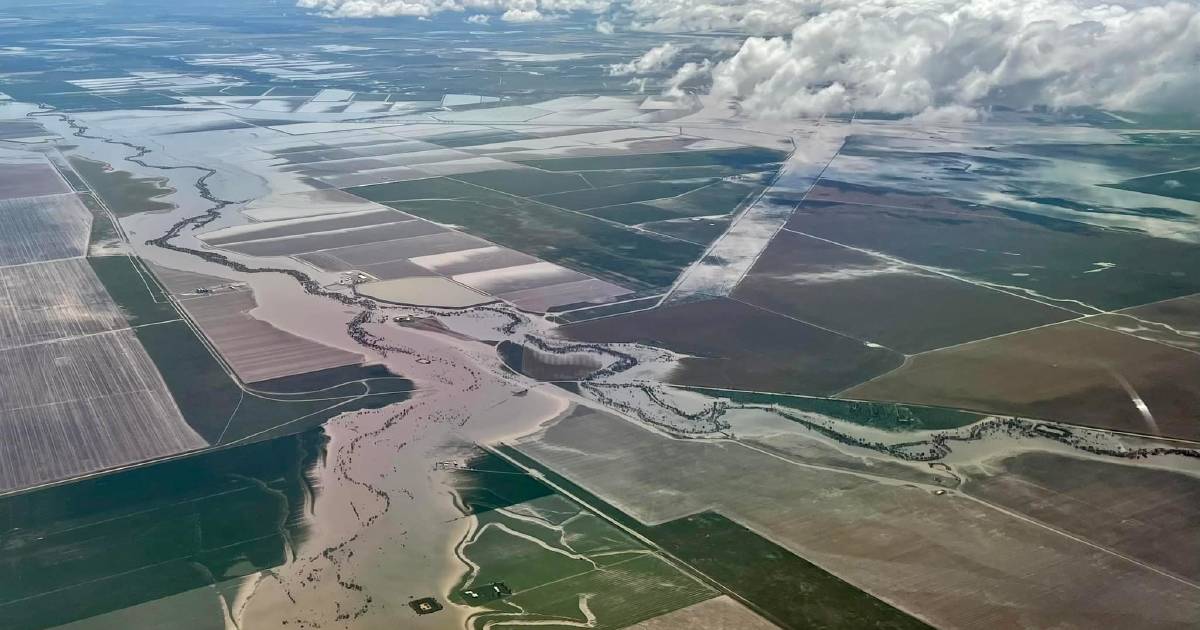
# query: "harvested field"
1063, 260
305, 204
306, 243
53, 300
398, 249
395, 269
33, 229
325, 261
1144, 513
516, 278
17, 129
1071, 372
946, 559
734, 345
256, 350
30, 180
431, 291
80, 406
718, 613
302, 226
472, 260
542, 299
877, 300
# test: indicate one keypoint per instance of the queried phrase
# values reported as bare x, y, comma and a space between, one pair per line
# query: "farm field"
1175, 322
878, 300
561, 563
843, 524
567, 316
57, 423
34, 229
54, 300
120, 190
718, 613
1142, 512
734, 345
1066, 263
253, 348
256, 350
29, 177
774, 582
177, 532
1073, 372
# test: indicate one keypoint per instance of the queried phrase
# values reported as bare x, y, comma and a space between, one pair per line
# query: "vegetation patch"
887, 416
123, 193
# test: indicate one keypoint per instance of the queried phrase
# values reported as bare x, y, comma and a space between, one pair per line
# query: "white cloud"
509, 10
690, 72
479, 18
522, 15
604, 27
655, 59
928, 55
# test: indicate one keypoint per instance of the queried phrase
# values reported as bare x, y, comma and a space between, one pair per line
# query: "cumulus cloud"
688, 73
654, 60
945, 57
508, 10
604, 27
479, 18
522, 15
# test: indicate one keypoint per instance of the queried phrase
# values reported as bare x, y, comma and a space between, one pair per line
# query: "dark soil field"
1142, 512
1071, 372
870, 298
738, 346
1058, 259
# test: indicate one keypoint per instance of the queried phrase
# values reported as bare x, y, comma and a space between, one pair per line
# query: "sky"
939, 58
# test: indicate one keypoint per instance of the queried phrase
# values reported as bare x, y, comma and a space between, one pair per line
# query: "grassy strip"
886, 416
782, 586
